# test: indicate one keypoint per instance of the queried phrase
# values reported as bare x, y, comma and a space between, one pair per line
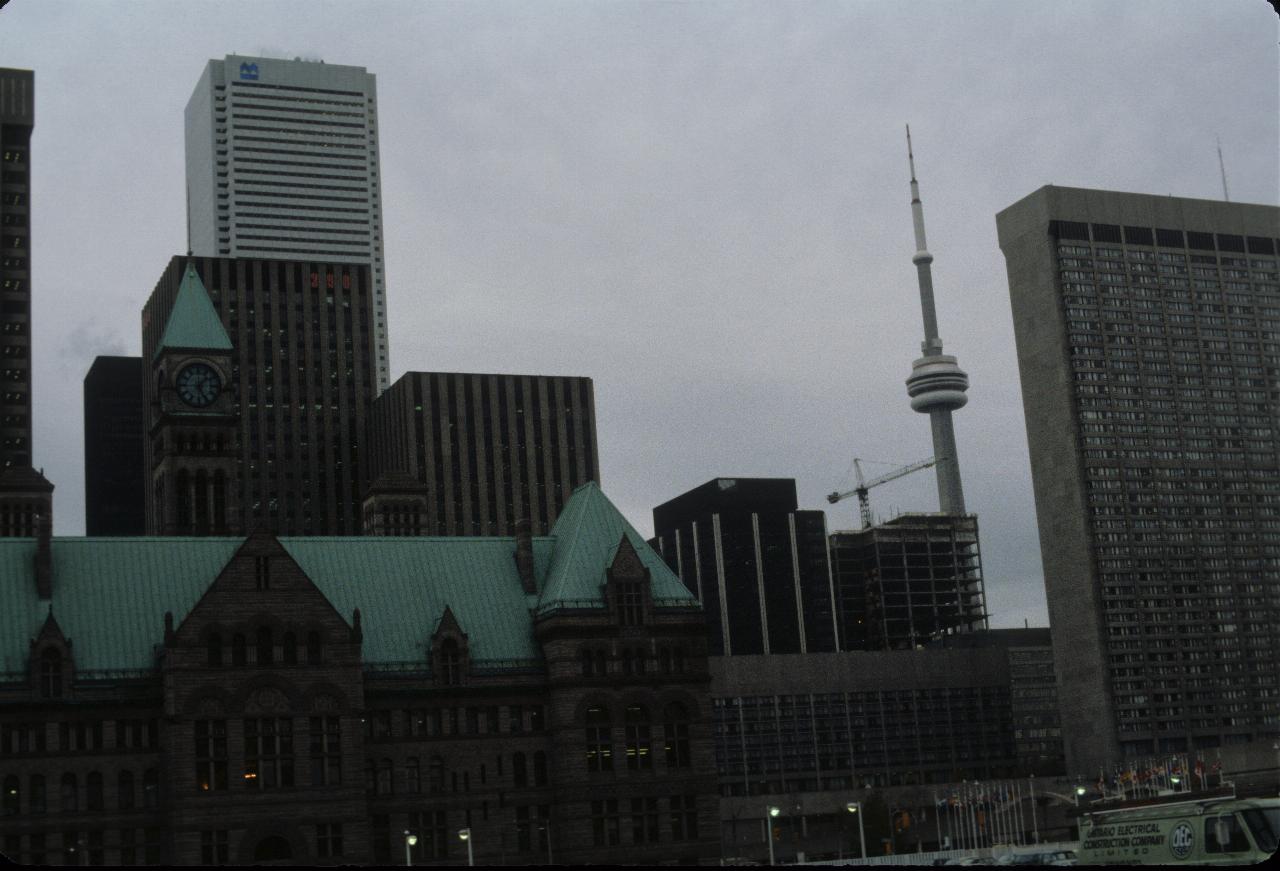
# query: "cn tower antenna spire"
936, 385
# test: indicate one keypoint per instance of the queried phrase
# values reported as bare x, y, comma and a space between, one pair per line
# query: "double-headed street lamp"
409, 840
768, 829
855, 807
465, 835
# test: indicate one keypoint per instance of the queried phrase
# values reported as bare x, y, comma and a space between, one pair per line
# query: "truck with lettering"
1183, 829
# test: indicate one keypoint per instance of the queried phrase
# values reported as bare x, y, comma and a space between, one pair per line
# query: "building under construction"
908, 581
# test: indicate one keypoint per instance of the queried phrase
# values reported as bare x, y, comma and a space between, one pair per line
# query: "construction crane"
864, 501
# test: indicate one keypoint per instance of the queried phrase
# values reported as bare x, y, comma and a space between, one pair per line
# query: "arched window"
215, 650
51, 673
238, 655
519, 775
436, 777
602, 663
664, 660
314, 652
370, 777
675, 735
93, 791
124, 790
678, 660
627, 665
599, 739
450, 662
289, 648
202, 501
70, 794
384, 786
638, 739
266, 646
587, 661
539, 768
640, 657
220, 498
183, 485
12, 804
413, 776
150, 788
36, 800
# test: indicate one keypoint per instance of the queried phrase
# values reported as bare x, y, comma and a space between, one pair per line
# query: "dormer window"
450, 672
630, 603
51, 674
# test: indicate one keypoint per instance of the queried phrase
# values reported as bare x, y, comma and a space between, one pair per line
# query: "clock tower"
192, 421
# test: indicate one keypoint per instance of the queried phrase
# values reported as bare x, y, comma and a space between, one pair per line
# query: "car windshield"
1265, 825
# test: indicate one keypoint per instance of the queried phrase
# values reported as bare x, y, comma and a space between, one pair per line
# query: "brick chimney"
524, 555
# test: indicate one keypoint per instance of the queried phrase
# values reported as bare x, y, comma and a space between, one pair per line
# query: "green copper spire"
193, 323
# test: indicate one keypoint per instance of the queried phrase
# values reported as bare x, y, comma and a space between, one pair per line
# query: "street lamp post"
1079, 792
546, 827
855, 807
465, 834
409, 840
1035, 823
768, 829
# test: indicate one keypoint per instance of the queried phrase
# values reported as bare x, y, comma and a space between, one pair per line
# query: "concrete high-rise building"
1148, 338
758, 565
17, 117
301, 382
114, 431
282, 162
485, 450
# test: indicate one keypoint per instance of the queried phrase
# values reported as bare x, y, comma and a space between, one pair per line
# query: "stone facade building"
223, 700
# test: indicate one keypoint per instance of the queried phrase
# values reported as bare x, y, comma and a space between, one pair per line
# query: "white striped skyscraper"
282, 163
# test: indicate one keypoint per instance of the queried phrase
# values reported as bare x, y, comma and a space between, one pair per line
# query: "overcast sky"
702, 206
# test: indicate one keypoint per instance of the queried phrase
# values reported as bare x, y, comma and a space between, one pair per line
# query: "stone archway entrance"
273, 850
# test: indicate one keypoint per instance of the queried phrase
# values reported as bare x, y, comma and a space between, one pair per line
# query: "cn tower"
936, 384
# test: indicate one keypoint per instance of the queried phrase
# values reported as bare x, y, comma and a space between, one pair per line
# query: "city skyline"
704, 209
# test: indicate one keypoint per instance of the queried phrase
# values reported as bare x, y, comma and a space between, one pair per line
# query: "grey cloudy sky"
702, 206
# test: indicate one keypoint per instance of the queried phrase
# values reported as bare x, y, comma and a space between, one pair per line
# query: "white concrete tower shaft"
936, 385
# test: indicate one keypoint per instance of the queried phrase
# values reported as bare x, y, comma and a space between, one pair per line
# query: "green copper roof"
110, 595
402, 585
193, 322
587, 534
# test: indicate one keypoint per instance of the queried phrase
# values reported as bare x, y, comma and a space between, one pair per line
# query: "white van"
1217, 830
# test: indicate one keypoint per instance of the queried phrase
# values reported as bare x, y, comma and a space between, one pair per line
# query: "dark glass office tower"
758, 565
303, 380
17, 117
114, 503
1148, 338
487, 450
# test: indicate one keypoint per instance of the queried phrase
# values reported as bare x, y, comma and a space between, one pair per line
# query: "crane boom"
864, 499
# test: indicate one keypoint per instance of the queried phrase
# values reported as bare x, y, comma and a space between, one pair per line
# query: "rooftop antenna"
1222, 167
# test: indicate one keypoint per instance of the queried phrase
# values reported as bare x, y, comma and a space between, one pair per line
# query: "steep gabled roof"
193, 322
109, 594
402, 586
587, 534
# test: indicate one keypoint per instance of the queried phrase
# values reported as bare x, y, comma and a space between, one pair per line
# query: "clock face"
199, 385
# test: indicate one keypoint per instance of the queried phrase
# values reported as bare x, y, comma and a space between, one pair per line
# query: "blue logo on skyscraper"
249, 72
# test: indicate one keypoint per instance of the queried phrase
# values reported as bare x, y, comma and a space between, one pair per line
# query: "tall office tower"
909, 581
17, 117
282, 162
1148, 337
757, 564
114, 427
936, 384
488, 450
301, 380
